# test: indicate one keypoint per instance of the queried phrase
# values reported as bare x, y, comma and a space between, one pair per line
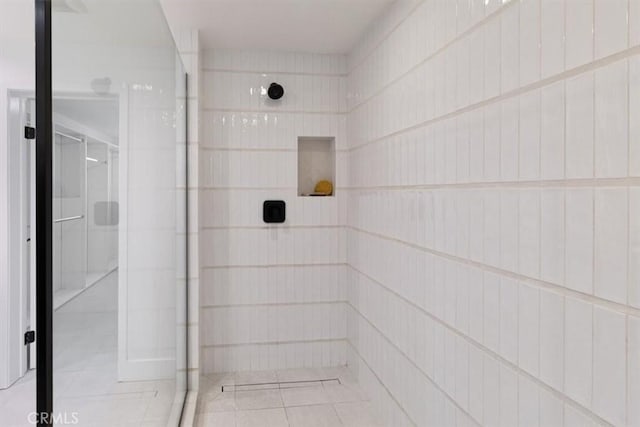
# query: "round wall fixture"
275, 91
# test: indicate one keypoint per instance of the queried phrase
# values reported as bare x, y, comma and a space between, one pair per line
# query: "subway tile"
492, 228
580, 134
529, 233
476, 226
529, 150
551, 339
611, 242
462, 300
509, 319
492, 311
611, 30
551, 409
609, 365
476, 385
462, 373
611, 121
509, 140
528, 402
634, 247
492, 395
509, 48
508, 396
509, 230
579, 33
552, 134
634, 23
530, 26
633, 370
579, 240
476, 305
492, 152
578, 350
476, 66
528, 329
463, 72
552, 241
552, 37
476, 146
462, 146
634, 111
492, 63
575, 418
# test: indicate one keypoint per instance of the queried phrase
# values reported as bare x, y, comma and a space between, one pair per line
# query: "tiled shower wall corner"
272, 297
494, 212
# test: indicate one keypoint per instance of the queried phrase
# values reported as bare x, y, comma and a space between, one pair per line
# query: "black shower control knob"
275, 91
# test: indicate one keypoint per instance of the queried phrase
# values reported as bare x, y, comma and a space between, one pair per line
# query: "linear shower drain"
280, 385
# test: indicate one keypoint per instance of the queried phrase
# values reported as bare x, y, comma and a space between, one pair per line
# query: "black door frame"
44, 212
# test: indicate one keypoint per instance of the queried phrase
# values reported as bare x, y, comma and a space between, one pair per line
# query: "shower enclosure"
110, 215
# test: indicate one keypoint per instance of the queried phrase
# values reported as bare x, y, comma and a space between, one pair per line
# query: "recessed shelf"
316, 162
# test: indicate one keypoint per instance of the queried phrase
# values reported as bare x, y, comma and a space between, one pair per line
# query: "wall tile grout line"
260, 150
459, 37
263, 73
563, 397
538, 283
591, 66
630, 181
284, 227
380, 42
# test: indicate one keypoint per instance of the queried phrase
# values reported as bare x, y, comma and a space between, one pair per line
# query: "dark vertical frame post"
44, 211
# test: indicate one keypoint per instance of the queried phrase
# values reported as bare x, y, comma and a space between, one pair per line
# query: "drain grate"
280, 385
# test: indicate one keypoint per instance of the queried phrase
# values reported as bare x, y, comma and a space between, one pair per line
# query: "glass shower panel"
102, 214
114, 211
120, 345
69, 228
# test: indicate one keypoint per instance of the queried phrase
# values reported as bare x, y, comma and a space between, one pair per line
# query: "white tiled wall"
492, 234
271, 296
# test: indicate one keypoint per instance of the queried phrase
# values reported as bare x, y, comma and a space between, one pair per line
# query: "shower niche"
316, 163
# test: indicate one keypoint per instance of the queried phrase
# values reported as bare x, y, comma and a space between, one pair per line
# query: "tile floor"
297, 398
85, 378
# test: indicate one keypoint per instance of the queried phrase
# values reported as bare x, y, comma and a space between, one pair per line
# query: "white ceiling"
318, 26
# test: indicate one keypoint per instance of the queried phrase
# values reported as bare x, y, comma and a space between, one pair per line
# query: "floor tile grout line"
271, 266
274, 304
283, 406
273, 111
263, 343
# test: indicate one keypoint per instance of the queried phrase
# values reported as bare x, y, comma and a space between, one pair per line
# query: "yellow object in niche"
324, 188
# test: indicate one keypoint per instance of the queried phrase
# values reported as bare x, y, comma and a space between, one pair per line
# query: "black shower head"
275, 91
